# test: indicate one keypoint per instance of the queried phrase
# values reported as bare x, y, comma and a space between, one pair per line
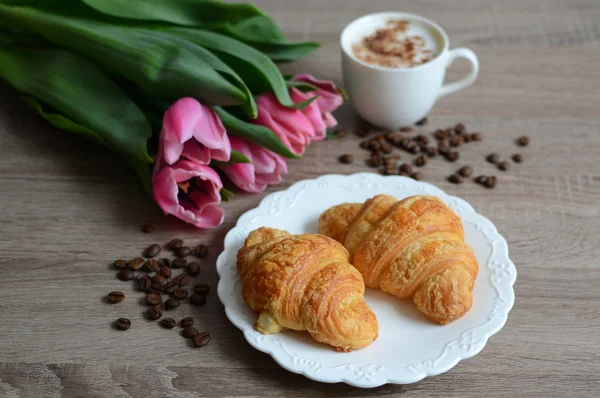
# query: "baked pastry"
412, 249
304, 282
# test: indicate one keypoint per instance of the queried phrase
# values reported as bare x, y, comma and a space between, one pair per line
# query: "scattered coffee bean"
493, 158
465, 171
444, 145
422, 122
201, 288
186, 322
164, 262
421, 160
123, 324
152, 251
406, 129
375, 161
168, 323
193, 268
517, 158
457, 140
197, 299
452, 156
364, 144
455, 179
182, 279
431, 151
153, 299
523, 141
154, 313
201, 251
136, 263
171, 303
476, 137
144, 283
147, 228
346, 159
155, 289
170, 286
165, 272
414, 149
125, 274
115, 297
180, 294
189, 332
490, 182
390, 171
151, 265
440, 134
179, 263
481, 179
120, 264
374, 145
159, 280
387, 148
504, 165
175, 244
183, 251
201, 339
341, 132
459, 128
466, 137
417, 176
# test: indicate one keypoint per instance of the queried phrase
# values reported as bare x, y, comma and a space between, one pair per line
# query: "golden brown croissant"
413, 248
304, 282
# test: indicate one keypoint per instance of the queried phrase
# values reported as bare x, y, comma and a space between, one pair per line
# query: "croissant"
304, 282
412, 249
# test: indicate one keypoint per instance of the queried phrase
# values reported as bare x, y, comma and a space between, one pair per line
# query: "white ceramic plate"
409, 347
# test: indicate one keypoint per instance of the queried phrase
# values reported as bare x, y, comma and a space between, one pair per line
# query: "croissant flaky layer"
412, 249
304, 282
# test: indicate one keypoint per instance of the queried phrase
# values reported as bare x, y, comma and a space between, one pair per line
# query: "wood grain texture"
68, 209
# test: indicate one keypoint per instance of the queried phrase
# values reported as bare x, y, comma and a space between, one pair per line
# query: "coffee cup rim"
395, 14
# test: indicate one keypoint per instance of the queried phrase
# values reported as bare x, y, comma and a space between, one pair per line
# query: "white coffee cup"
396, 97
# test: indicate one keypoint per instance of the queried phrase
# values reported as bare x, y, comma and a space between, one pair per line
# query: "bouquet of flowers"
186, 91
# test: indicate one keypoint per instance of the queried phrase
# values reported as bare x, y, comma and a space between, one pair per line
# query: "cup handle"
467, 81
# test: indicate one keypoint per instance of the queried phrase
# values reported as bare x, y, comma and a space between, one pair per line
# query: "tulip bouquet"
186, 91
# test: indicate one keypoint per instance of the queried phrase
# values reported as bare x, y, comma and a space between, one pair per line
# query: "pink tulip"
297, 128
192, 131
190, 191
266, 167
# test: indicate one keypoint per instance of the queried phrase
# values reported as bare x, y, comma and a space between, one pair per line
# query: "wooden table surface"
69, 208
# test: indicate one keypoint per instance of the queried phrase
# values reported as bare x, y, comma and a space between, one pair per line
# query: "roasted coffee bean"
517, 158
455, 179
152, 251
172, 282
168, 323
179, 263
465, 171
431, 151
422, 139
136, 263
444, 143
193, 268
452, 156
171, 288
182, 279
183, 251
201, 339
459, 128
390, 170
341, 132
493, 158
481, 179
171, 303
151, 265
523, 141
417, 176
387, 148
466, 137
159, 280
476, 137
197, 299
155, 289
504, 165
186, 322
189, 332
346, 159
201, 288
123, 324
147, 228
144, 283
405, 169
457, 140
125, 274
154, 313
364, 144
421, 160
153, 299
201, 250
414, 149
422, 122
165, 272
175, 244
389, 162
115, 297
490, 182
120, 264
374, 145
180, 294
375, 161
406, 129
440, 134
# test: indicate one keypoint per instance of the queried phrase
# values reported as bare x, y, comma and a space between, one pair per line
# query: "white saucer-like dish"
409, 347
